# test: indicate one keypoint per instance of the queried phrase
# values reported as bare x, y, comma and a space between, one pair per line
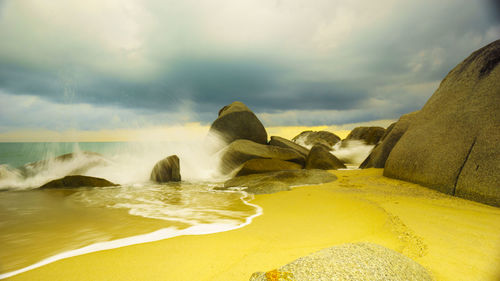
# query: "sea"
40, 226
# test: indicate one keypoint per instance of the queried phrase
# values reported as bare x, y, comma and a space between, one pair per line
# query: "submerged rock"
268, 182
86, 161
236, 121
77, 181
258, 166
282, 142
452, 145
352, 261
310, 138
320, 158
370, 135
167, 170
240, 151
379, 154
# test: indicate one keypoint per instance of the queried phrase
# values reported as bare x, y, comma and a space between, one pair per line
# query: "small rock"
320, 158
166, 170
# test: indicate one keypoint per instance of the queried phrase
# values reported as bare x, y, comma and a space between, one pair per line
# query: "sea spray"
352, 152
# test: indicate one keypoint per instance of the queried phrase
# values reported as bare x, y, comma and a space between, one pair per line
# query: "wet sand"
454, 239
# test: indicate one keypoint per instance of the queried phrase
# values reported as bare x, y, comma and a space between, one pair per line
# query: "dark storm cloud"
348, 61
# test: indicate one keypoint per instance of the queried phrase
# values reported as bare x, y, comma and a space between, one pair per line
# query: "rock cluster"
247, 153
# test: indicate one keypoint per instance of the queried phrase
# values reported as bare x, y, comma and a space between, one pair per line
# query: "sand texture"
452, 238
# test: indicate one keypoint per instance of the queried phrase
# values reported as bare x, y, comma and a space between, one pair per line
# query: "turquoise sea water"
40, 226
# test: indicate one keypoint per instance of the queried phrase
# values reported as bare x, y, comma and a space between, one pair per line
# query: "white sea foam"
165, 233
352, 152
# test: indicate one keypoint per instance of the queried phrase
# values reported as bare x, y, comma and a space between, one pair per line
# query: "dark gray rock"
282, 142
370, 135
240, 151
452, 144
77, 181
258, 166
236, 121
320, 158
167, 170
310, 138
379, 154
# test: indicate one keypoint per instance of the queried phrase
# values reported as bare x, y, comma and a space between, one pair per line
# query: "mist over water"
41, 226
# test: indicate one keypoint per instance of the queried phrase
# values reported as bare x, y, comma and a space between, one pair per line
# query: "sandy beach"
454, 239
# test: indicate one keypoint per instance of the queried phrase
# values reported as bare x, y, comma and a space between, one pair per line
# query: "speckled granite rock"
354, 262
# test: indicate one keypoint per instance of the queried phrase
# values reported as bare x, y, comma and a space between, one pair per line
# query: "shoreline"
158, 235
451, 237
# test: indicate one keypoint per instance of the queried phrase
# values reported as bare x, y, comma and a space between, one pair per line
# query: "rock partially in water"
240, 151
236, 121
268, 182
77, 181
259, 166
310, 138
282, 142
320, 158
167, 170
353, 261
83, 161
370, 135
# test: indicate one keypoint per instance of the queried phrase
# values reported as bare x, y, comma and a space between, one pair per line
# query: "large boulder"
379, 154
240, 151
353, 261
77, 181
258, 166
167, 170
236, 122
452, 145
310, 138
282, 142
276, 181
320, 158
370, 135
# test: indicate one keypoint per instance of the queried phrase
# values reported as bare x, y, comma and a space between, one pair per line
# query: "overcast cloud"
123, 63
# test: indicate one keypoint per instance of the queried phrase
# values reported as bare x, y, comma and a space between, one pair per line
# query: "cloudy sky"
125, 64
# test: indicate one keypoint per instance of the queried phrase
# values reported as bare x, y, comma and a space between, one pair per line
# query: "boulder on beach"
320, 158
258, 166
240, 151
268, 182
379, 154
236, 121
310, 138
77, 181
166, 170
282, 142
370, 135
452, 145
352, 261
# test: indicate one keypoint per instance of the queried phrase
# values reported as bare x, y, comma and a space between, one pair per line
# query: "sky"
118, 65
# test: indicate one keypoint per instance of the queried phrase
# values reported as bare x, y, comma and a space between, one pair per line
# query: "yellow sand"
454, 238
